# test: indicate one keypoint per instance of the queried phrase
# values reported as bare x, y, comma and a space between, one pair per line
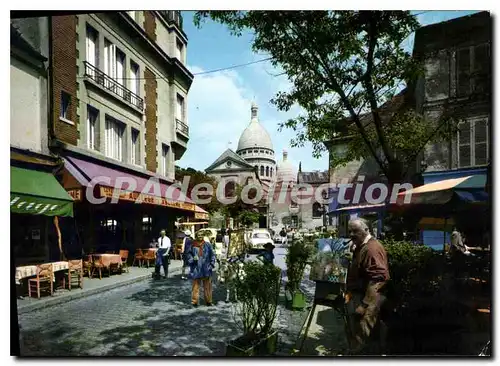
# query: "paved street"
149, 318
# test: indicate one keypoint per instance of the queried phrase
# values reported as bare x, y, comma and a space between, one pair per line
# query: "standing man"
162, 255
186, 247
283, 236
368, 273
201, 260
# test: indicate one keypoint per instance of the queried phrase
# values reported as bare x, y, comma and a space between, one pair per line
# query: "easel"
329, 294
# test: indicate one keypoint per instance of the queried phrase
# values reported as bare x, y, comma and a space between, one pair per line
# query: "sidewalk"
93, 286
326, 335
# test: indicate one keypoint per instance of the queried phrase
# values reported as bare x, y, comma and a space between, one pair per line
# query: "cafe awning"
360, 208
38, 193
468, 189
87, 173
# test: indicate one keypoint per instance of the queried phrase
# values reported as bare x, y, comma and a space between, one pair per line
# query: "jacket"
202, 268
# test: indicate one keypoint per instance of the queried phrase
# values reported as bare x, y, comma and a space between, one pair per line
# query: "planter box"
295, 300
247, 347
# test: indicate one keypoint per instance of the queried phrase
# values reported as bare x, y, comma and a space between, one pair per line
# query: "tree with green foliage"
343, 66
197, 177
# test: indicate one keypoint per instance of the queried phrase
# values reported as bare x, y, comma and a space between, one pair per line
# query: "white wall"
28, 126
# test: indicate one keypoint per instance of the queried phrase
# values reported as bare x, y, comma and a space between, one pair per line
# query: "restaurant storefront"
37, 204
130, 218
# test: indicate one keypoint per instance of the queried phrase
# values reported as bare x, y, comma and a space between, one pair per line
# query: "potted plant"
257, 288
297, 258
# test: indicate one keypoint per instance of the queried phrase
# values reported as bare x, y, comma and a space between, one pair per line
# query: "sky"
219, 103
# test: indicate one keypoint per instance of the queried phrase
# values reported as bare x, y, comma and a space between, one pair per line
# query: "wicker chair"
148, 256
99, 266
43, 281
138, 256
124, 257
88, 264
75, 273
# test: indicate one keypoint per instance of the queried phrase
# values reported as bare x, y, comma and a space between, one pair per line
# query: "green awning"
38, 193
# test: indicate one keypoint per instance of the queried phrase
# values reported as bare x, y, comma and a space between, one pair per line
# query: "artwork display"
329, 263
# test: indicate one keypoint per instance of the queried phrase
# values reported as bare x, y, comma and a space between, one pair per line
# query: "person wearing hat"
201, 261
164, 246
267, 255
186, 246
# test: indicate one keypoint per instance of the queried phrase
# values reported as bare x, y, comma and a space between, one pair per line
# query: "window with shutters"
178, 50
164, 159
134, 78
92, 45
179, 113
473, 69
135, 151
114, 138
92, 128
473, 144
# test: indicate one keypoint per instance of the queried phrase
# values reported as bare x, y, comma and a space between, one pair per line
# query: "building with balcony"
119, 92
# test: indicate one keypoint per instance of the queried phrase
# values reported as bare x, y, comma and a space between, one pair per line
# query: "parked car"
278, 239
258, 238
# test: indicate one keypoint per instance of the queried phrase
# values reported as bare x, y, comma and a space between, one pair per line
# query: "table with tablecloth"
30, 271
108, 259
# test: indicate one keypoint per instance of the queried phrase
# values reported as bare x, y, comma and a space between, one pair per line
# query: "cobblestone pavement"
149, 318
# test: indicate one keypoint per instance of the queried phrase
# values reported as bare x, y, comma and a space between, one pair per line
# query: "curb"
28, 308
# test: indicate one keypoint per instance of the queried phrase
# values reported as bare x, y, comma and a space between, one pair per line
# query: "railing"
173, 16
112, 85
182, 127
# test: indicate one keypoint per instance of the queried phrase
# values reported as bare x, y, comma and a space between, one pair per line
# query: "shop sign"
201, 216
76, 194
110, 192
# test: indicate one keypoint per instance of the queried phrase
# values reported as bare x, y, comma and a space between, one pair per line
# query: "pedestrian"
283, 236
162, 254
267, 255
187, 242
367, 276
201, 260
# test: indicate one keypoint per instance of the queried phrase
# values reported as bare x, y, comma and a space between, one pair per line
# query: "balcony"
182, 127
173, 16
110, 84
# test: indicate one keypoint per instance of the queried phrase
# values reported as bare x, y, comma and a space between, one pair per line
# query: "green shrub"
257, 288
297, 257
414, 269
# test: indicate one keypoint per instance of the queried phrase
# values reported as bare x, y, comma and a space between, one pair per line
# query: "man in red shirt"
368, 273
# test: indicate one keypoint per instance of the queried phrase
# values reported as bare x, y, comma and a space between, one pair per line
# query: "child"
267, 255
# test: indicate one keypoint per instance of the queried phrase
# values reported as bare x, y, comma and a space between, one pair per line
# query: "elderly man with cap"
201, 260
186, 247
367, 275
162, 255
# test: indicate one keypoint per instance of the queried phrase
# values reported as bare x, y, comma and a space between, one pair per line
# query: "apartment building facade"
119, 96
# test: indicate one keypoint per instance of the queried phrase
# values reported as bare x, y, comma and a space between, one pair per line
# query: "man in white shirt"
164, 247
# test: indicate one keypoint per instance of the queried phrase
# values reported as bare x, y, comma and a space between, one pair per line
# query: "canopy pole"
59, 238
444, 232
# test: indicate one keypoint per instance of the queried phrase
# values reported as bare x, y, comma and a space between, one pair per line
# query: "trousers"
368, 331
207, 290
161, 261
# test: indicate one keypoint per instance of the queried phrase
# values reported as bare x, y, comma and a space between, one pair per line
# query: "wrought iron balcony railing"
182, 127
112, 85
173, 16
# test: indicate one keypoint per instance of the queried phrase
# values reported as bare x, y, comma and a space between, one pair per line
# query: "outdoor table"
29, 271
109, 259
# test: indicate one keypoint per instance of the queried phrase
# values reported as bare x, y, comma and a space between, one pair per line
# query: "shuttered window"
473, 144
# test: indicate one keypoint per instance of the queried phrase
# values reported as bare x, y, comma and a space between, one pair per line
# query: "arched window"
229, 189
257, 169
271, 172
267, 171
262, 170
317, 209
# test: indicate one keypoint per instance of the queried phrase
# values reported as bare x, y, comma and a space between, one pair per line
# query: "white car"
259, 238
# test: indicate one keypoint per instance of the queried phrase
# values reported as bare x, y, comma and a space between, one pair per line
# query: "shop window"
109, 225
317, 210
147, 225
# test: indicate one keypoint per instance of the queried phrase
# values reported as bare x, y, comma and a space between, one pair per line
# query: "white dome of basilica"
255, 135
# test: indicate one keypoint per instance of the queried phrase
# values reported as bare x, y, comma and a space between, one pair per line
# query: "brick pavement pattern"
148, 318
